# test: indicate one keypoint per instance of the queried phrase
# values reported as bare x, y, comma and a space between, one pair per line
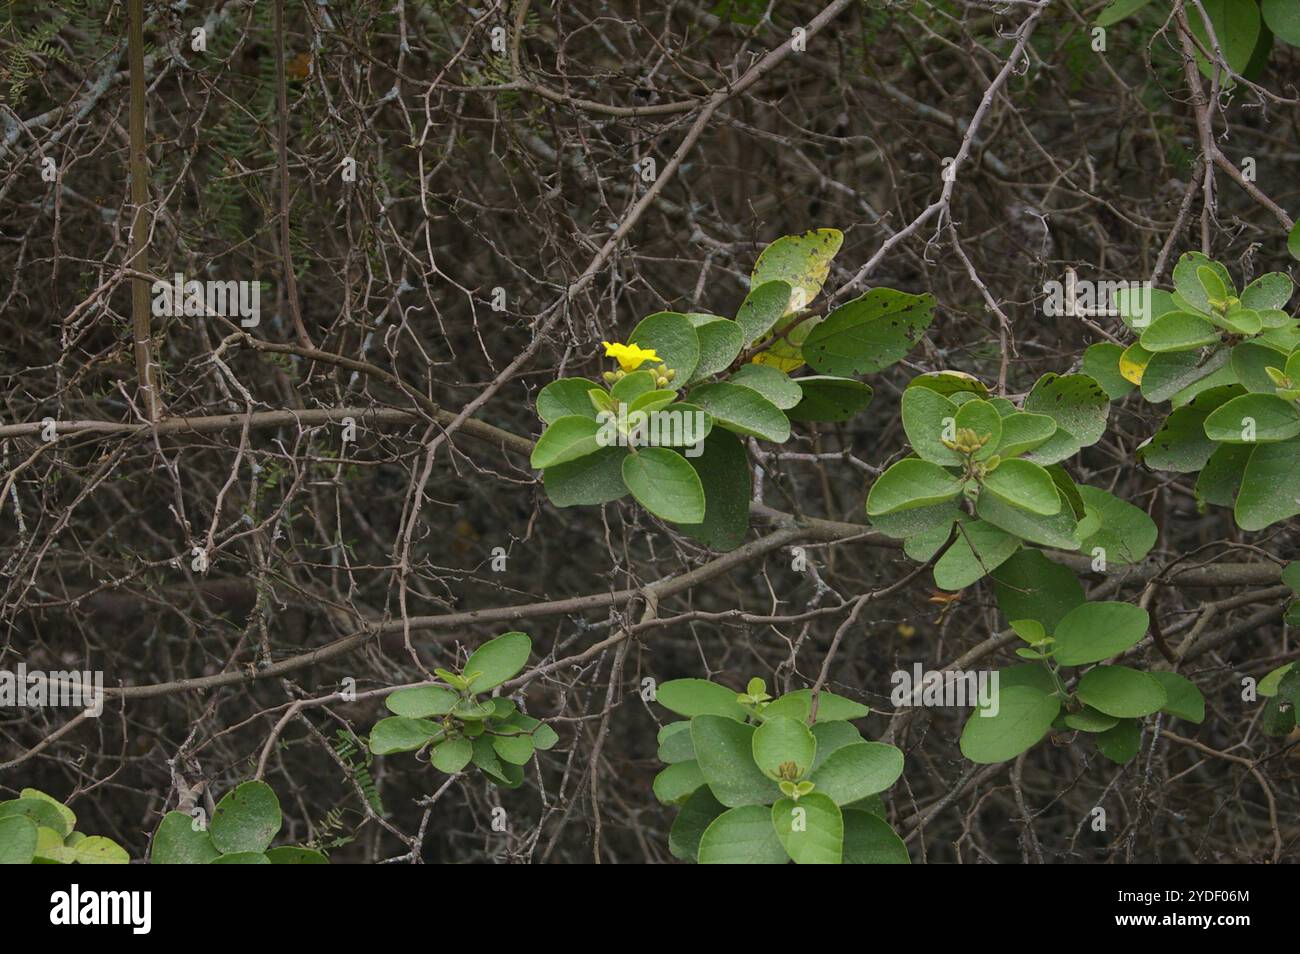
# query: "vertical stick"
145, 369
282, 150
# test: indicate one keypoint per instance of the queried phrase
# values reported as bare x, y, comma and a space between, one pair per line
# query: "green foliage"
36, 828
1224, 359
669, 425
244, 824
1046, 608
460, 726
763, 780
1002, 461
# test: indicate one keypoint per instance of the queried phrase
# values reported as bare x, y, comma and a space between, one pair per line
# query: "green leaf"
929, 417
1101, 362
69, 816
801, 261
720, 341
911, 483
1221, 477
295, 855
1169, 373
515, 749
42, 811
1268, 686
1277, 719
1079, 406
501, 773
868, 840
246, 819
1253, 418
566, 397
452, 755
1290, 576
762, 308
1121, 743
1216, 288
742, 836
1179, 332
790, 705
1249, 361
542, 735
743, 410
724, 474
1120, 691
1181, 444
724, 750
1056, 530
675, 743
651, 401
588, 481
830, 707
1032, 675
421, 702
1270, 488
828, 398
1241, 321
784, 351
1019, 718
930, 524
665, 484
696, 697
774, 384
17, 840
473, 710
1186, 274
569, 438
1119, 10
855, 771
678, 782
869, 333
1089, 719
983, 418
689, 826
1030, 586
1236, 25
674, 340
980, 548
811, 830
1183, 699
241, 858
631, 386
1293, 241
1283, 18
831, 737
98, 850
949, 383
1139, 306
50, 848
780, 740
1023, 484
497, 660
1098, 630
1023, 432
402, 734
1125, 534
177, 843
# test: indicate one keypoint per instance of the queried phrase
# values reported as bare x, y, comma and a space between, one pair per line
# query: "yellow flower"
629, 357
